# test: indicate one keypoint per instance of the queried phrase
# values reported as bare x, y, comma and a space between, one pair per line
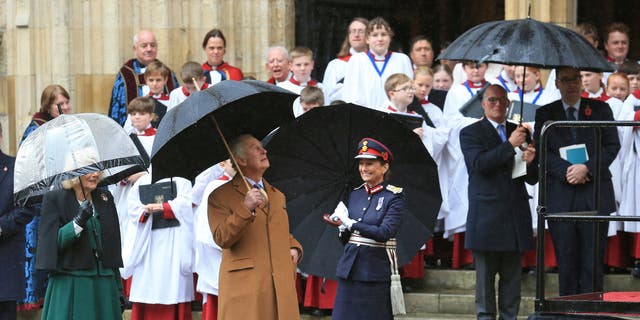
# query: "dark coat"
499, 218
379, 217
560, 194
59, 207
12, 222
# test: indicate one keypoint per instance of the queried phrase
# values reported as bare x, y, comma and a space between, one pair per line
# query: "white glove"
342, 213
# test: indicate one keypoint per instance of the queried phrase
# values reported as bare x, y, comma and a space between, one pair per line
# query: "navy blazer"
378, 217
499, 218
12, 222
560, 194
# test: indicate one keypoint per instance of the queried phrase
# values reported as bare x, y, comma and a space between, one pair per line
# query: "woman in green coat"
79, 244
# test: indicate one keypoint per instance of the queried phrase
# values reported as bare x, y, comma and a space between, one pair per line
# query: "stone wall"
82, 44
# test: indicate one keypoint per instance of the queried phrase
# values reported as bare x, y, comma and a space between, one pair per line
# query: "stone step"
442, 279
453, 302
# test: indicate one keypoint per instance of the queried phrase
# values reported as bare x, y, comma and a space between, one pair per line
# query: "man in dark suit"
12, 222
570, 187
499, 220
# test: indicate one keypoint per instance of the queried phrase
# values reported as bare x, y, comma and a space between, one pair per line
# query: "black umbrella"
312, 163
526, 42
188, 142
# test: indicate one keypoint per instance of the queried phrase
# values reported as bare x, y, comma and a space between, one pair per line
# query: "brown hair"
395, 80
214, 33
142, 105
191, 70
423, 71
629, 67
157, 67
49, 95
298, 52
344, 48
417, 38
312, 95
379, 22
443, 67
587, 30
616, 27
620, 75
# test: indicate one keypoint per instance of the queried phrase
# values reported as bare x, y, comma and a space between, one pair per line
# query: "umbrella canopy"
526, 42
312, 163
59, 150
187, 141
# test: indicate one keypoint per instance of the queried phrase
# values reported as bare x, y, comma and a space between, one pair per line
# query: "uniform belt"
397, 299
360, 240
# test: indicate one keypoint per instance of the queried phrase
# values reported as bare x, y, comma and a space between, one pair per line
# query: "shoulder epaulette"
394, 189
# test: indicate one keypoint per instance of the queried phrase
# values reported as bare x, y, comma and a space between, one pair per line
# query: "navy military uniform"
364, 271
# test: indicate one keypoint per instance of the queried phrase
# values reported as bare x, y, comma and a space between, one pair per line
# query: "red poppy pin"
587, 111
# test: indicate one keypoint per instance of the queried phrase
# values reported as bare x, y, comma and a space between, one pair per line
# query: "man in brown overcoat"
259, 254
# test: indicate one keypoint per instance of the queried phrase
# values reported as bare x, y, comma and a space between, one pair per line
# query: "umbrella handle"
326, 218
195, 83
233, 159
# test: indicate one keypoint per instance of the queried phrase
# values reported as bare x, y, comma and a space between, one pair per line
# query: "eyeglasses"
569, 80
357, 32
405, 89
494, 99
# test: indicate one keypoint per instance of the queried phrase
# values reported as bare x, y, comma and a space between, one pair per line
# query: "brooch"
587, 111
104, 197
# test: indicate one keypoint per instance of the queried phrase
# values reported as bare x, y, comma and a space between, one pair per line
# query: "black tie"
572, 117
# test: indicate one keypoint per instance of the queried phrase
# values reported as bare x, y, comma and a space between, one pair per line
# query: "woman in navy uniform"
374, 216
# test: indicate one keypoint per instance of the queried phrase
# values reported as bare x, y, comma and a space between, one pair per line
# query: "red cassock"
318, 295
143, 311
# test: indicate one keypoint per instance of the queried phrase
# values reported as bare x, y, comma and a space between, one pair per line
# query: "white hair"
281, 48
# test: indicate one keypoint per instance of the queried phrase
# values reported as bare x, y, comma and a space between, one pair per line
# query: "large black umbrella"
526, 42
188, 142
312, 163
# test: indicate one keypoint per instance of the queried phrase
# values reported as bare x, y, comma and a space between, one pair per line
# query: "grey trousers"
508, 266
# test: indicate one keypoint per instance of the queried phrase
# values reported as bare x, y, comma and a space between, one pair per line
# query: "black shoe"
635, 270
196, 305
321, 312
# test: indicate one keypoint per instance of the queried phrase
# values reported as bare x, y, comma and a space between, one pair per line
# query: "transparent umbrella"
59, 149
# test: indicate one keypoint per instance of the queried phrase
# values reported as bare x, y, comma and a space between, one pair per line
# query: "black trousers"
8, 310
575, 251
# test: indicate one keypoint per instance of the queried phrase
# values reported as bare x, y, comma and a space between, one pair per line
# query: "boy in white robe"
193, 79
208, 254
301, 65
367, 72
158, 255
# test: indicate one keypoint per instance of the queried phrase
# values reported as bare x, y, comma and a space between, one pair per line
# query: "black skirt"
362, 300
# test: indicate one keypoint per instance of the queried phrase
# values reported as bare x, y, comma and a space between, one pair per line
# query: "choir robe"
208, 254
539, 97
120, 190
364, 86
453, 164
296, 87
178, 95
503, 80
333, 80
160, 260
630, 169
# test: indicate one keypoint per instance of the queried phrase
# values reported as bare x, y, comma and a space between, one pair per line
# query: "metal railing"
590, 302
